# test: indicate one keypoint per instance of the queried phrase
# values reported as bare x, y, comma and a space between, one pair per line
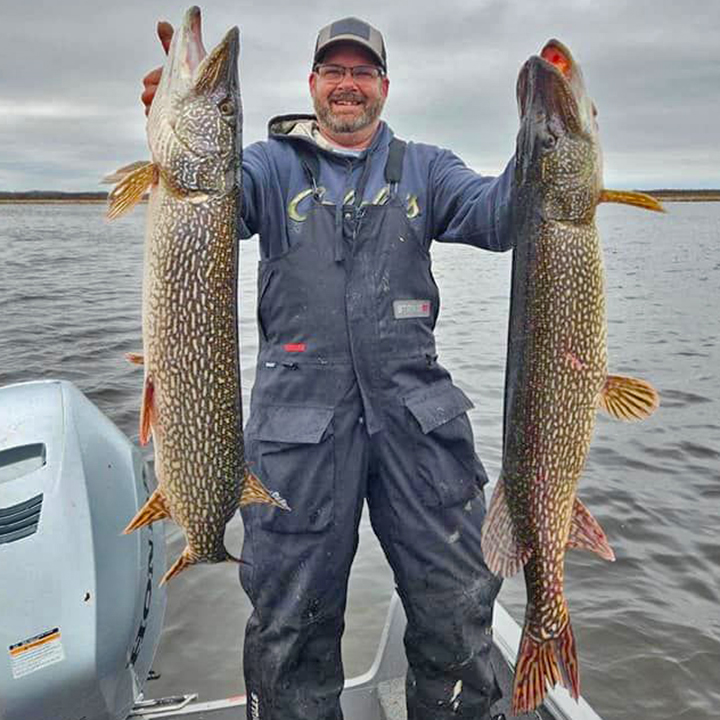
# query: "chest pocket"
448, 468
292, 450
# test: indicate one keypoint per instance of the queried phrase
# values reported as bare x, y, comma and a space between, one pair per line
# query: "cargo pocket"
293, 453
449, 471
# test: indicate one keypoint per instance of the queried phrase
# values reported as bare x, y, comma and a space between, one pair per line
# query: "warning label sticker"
35, 653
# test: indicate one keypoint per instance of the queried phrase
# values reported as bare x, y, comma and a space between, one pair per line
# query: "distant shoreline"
51, 201
685, 195
49, 197
42, 197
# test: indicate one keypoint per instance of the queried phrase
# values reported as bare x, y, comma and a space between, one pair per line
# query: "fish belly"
558, 361
191, 359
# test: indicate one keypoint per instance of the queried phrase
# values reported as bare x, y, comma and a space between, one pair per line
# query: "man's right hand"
152, 79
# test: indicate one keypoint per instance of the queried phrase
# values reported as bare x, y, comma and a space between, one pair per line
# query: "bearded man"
350, 404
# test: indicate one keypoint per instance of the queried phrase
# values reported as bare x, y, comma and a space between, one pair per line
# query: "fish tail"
542, 665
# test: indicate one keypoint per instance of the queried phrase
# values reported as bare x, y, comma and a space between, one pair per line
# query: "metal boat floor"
379, 694
391, 695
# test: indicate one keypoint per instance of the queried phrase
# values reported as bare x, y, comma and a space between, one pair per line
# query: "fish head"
194, 125
558, 153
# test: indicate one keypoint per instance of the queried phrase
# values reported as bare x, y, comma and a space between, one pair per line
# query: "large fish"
556, 376
191, 402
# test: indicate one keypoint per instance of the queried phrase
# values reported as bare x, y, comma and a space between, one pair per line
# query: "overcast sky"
70, 78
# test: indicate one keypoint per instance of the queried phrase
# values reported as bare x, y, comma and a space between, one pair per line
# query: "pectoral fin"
155, 508
134, 180
253, 491
627, 398
628, 197
124, 171
502, 552
586, 533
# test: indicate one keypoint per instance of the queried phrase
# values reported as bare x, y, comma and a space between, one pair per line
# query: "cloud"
69, 100
15, 113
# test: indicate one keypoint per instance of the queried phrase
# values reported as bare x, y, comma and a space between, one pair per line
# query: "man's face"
348, 106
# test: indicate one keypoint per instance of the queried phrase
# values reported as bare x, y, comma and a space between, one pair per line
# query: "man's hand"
152, 79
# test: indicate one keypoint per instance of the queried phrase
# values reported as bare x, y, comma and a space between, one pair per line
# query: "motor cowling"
80, 607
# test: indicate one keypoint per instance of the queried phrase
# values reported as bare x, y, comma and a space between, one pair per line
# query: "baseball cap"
351, 29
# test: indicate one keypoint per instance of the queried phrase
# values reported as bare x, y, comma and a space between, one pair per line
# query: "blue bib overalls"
350, 405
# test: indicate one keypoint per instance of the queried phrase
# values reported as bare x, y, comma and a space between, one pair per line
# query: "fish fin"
628, 197
155, 508
501, 550
135, 358
627, 398
129, 191
586, 533
183, 562
147, 411
253, 491
123, 172
231, 558
542, 665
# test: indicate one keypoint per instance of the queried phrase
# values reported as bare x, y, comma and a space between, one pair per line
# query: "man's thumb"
165, 33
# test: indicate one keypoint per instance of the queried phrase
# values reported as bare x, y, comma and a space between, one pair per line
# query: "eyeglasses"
360, 73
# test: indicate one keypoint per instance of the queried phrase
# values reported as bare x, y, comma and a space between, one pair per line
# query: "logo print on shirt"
304, 197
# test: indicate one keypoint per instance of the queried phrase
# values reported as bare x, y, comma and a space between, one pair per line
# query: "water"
647, 626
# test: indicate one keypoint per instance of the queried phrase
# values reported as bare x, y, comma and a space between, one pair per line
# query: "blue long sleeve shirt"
446, 200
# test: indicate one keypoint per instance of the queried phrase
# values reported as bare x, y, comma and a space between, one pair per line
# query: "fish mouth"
191, 71
206, 70
191, 68
550, 85
192, 51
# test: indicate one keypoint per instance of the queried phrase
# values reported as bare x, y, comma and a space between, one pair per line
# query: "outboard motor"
80, 607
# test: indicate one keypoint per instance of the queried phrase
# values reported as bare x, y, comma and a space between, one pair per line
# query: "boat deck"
379, 694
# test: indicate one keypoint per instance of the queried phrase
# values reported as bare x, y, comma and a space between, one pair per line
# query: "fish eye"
548, 142
226, 107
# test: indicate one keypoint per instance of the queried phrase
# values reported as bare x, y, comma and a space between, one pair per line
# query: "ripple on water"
647, 625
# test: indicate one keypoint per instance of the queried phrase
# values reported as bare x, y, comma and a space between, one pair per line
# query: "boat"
82, 607
379, 693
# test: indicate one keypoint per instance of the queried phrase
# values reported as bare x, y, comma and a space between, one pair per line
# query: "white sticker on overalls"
411, 309
35, 653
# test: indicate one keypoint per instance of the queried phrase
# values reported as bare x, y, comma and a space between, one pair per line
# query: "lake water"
647, 626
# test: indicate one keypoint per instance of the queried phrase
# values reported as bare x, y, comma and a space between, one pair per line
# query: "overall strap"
394, 165
310, 163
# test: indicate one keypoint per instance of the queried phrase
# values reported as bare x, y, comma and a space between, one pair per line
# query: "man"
351, 404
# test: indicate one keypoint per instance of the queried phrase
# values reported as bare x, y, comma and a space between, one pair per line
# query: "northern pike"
557, 368
191, 402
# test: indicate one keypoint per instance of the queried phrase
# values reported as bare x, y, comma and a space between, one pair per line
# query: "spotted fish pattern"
191, 402
557, 367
